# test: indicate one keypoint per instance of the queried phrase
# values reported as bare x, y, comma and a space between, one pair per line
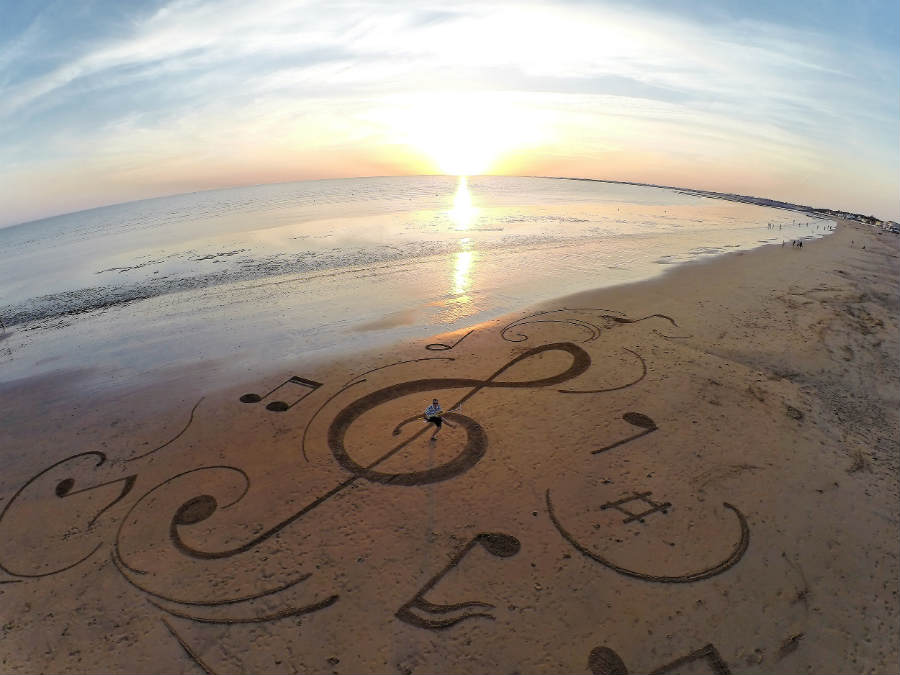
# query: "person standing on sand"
433, 414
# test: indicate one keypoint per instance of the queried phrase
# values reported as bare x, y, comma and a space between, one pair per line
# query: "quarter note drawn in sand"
281, 406
443, 616
639, 420
440, 346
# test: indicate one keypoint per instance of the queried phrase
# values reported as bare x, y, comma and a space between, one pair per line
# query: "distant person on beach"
433, 415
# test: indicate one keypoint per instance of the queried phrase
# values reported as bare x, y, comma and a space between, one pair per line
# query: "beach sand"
716, 481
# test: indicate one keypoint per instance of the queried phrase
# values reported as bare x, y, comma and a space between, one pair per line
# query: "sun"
463, 134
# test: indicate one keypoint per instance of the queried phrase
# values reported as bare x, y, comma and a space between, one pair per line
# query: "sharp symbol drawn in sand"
637, 496
728, 562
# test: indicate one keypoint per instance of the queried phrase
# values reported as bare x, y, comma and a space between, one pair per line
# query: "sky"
107, 101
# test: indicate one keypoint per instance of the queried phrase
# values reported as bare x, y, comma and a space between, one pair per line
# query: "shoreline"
774, 391
317, 356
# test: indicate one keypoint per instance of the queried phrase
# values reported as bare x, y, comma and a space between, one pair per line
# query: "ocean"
251, 277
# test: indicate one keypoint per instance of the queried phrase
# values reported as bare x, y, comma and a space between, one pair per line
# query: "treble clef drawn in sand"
204, 506
609, 317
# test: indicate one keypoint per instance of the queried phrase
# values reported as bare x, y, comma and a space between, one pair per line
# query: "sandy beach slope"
693, 474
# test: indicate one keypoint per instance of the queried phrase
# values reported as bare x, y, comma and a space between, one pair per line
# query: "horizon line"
436, 175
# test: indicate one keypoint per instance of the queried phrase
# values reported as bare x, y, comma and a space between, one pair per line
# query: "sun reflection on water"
462, 277
463, 213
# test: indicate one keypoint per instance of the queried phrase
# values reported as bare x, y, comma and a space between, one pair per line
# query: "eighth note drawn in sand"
440, 346
636, 419
281, 406
495, 543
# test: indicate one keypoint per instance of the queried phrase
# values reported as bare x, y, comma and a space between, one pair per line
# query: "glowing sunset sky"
104, 102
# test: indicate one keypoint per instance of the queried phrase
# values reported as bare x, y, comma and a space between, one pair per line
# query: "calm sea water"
271, 273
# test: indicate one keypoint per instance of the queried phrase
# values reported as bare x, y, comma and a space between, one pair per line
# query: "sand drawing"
274, 616
592, 330
636, 419
174, 438
352, 382
726, 563
206, 603
242, 607
188, 649
804, 590
319, 409
604, 661
476, 442
62, 490
672, 337
440, 346
202, 507
609, 317
617, 387
191, 512
281, 406
444, 616
637, 496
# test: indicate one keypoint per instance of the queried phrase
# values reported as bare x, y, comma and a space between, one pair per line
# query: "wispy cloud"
111, 91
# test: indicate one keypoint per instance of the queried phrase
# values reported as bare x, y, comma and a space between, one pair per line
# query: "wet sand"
703, 465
